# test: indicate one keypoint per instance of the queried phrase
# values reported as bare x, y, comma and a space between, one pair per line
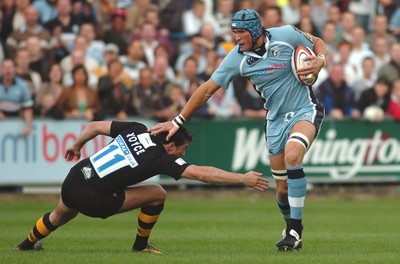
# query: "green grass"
212, 229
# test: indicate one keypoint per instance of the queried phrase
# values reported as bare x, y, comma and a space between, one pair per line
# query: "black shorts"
89, 201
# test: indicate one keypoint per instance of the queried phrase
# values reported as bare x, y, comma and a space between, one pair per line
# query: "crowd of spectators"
97, 59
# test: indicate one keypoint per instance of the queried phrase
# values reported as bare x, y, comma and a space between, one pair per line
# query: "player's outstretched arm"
210, 174
92, 130
202, 94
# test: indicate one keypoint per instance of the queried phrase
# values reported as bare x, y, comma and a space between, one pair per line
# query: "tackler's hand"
256, 181
162, 127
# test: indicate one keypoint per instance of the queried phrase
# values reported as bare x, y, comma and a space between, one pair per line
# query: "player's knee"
159, 193
293, 158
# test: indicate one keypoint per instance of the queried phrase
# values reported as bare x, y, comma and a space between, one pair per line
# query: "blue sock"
297, 188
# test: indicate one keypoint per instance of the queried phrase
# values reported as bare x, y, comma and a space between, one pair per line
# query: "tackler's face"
243, 39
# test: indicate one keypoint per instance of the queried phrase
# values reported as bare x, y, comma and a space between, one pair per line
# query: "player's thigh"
142, 195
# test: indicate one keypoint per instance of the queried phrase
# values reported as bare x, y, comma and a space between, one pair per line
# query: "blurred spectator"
31, 27
194, 18
161, 51
63, 28
47, 10
78, 58
148, 99
380, 29
378, 95
394, 104
306, 23
171, 17
244, 4
381, 52
83, 11
329, 36
291, 12
359, 51
150, 40
342, 57
15, 98
135, 15
79, 100
387, 8
134, 61
223, 16
175, 98
394, 24
272, 17
152, 16
32, 78
49, 93
391, 70
161, 75
337, 96
204, 111
250, 101
189, 74
95, 47
347, 24
364, 10
19, 16
7, 14
196, 50
105, 10
222, 105
111, 52
114, 94
367, 80
319, 13
75, 58
211, 58
39, 59
117, 33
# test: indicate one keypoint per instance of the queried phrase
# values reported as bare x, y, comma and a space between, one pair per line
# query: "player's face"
243, 39
179, 150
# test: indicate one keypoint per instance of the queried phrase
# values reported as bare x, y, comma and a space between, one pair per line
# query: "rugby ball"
298, 62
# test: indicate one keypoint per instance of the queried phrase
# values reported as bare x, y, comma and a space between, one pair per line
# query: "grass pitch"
241, 227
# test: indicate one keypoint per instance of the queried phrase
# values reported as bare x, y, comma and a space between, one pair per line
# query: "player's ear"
169, 147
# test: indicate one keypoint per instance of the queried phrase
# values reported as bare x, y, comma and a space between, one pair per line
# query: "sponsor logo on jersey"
180, 161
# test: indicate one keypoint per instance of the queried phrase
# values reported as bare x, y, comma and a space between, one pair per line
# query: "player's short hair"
249, 20
181, 136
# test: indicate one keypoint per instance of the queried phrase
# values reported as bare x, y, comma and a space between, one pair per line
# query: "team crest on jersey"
251, 61
275, 52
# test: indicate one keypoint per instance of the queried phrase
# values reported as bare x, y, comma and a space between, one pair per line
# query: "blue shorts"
277, 130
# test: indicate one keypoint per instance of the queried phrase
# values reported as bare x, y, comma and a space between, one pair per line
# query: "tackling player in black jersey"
106, 183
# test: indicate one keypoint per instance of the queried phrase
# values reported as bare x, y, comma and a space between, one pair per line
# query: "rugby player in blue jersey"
294, 115
105, 184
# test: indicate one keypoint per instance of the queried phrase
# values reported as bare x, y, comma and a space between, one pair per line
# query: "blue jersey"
271, 74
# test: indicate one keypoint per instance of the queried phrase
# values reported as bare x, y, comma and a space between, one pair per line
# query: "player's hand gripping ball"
298, 62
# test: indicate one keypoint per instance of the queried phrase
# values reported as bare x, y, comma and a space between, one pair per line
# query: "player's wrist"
323, 57
178, 121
